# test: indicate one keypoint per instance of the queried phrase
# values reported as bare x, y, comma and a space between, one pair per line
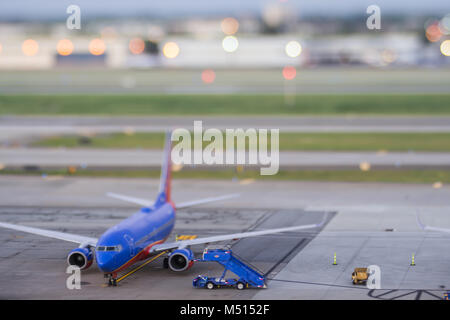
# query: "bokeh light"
97, 47
171, 50
136, 46
388, 56
445, 48
64, 47
289, 73
293, 49
108, 33
230, 26
437, 185
208, 76
230, 44
364, 166
30, 47
444, 24
433, 32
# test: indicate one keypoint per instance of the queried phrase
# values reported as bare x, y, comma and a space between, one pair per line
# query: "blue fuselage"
130, 240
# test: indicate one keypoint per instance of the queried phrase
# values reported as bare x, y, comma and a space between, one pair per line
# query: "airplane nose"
105, 261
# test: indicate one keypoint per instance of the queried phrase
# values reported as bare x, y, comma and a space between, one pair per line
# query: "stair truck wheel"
209, 285
240, 286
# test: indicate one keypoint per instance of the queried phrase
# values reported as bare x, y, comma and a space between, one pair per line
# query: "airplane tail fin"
166, 172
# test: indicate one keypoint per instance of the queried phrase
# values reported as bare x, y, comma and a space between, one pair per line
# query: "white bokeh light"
293, 49
230, 44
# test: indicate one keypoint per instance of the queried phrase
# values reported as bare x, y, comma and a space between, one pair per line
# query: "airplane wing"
187, 204
186, 243
206, 200
52, 234
428, 228
138, 201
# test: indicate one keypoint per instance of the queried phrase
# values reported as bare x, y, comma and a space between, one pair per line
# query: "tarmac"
57, 158
19, 129
367, 224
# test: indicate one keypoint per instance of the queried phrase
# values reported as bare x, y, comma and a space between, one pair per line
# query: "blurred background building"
269, 34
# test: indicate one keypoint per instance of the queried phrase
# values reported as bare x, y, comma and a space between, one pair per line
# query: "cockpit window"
110, 248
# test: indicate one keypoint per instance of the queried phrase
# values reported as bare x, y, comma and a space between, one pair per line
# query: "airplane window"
110, 248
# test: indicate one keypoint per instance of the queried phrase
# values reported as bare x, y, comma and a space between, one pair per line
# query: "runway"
368, 223
56, 158
17, 129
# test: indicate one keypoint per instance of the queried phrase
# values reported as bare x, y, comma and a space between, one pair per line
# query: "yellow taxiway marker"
140, 267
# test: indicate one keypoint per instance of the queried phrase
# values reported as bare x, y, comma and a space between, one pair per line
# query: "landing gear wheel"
210, 286
240, 286
166, 263
112, 282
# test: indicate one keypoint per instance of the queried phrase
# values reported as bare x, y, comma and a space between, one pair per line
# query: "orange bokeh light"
433, 33
230, 26
30, 47
208, 76
289, 73
64, 47
136, 46
97, 47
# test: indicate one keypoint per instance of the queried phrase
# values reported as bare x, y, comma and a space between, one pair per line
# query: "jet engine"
80, 257
181, 260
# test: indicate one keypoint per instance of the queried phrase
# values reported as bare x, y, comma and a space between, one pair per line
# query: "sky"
53, 9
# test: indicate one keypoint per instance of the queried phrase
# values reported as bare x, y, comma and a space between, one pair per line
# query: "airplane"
143, 234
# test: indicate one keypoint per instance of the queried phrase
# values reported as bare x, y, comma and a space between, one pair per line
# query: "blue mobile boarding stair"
248, 276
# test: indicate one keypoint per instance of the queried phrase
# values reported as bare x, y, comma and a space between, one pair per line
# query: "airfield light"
289, 73
136, 46
129, 131
230, 44
364, 166
30, 47
64, 47
171, 50
445, 48
177, 167
230, 26
208, 76
97, 47
293, 49
437, 185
